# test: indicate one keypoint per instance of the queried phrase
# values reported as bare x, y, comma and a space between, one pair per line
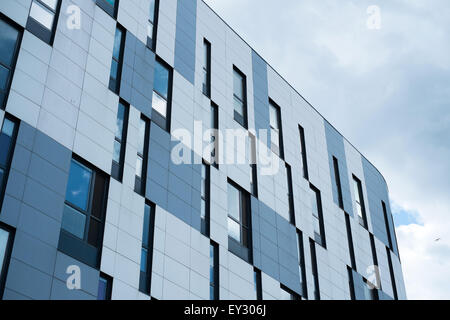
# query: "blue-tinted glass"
238, 85
4, 74
116, 151
111, 2
1, 176
5, 140
233, 202
117, 43
161, 82
73, 221
146, 226
114, 69
78, 186
144, 258
102, 289
4, 236
119, 121
152, 11
8, 40
211, 293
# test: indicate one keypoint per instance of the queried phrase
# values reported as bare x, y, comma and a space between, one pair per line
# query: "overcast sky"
387, 90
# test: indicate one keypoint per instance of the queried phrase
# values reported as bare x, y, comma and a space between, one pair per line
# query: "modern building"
93, 97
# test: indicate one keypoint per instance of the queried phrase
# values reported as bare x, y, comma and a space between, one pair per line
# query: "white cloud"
386, 90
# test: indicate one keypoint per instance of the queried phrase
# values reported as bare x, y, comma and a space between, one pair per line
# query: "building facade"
95, 98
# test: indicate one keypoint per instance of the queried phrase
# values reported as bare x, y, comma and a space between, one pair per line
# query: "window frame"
386, 221
140, 183
11, 68
319, 238
303, 152
7, 168
278, 150
241, 119
205, 221
164, 122
253, 166
108, 8
206, 69
117, 168
39, 30
359, 201
214, 283
337, 181
257, 279
7, 257
215, 126
290, 194
115, 85
302, 263
151, 42
293, 295
314, 269
351, 247
145, 278
109, 284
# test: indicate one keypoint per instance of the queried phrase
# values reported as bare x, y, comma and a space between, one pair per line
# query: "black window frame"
302, 263
7, 168
351, 247
117, 168
145, 278
109, 284
214, 282
303, 152
278, 150
359, 199
215, 138
386, 221
290, 194
253, 166
242, 249
391, 272
12, 67
82, 249
40, 31
164, 122
257, 279
7, 257
205, 221
151, 42
314, 269
140, 183
108, 8
206, 69
241, 119
319, 238
337, 181
115, 84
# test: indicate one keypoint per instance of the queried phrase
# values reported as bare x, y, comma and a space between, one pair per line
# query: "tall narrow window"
84, 213
152, 25
213, 271
377, 284
147, 249
257, 282
351, 283
337, 181
43, 19
6, 242
386, 222
240, 97
10, 39
120, 141
162, 91
206, 84
205, 204
214, 125
391, 271
315, 273
142, 156
350, 241
109, 6
104, 287
287, 294
253, 166
359, 202
8, 136
301, 263
239, 235
117, 60
303, 152
276, 136
317, 215
290, 194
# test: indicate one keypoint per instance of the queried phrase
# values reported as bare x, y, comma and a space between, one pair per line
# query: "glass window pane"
73, 221
78, 186
117, 43
273, 117
358, 210
5, 140
159, 104
146, 228
119, 120
234, 230
316, 225
141, 138
233, 202
152, 11
114, 69
111, 2
274, 137
116, 151
94, 232
238, 106
238, 89
144, 259
4, 237
4, 74
161, 81
139, 167
356, 190
8, 127
42, 15
50, 3
102, 288
202, 209
8, 40
315, 209
150, 30
1, 176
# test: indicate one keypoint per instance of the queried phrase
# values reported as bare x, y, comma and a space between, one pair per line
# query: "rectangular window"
350, 241
162, 93
386, 221
120, 141
6, 243
287, 294
8, 135
377, 279
83, 218
152, 25
253, 166
317, 215
290, 194
302, 264
10, 39
104, 287
214, 125
43, 19
206, 81
147, 249
239, 230
391, 271
213, 271
315, 273
142, 156
205, 196
276, 135
303, 152
337, 181
109, 6
257, 281
117, 60
359, 202
240, 97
